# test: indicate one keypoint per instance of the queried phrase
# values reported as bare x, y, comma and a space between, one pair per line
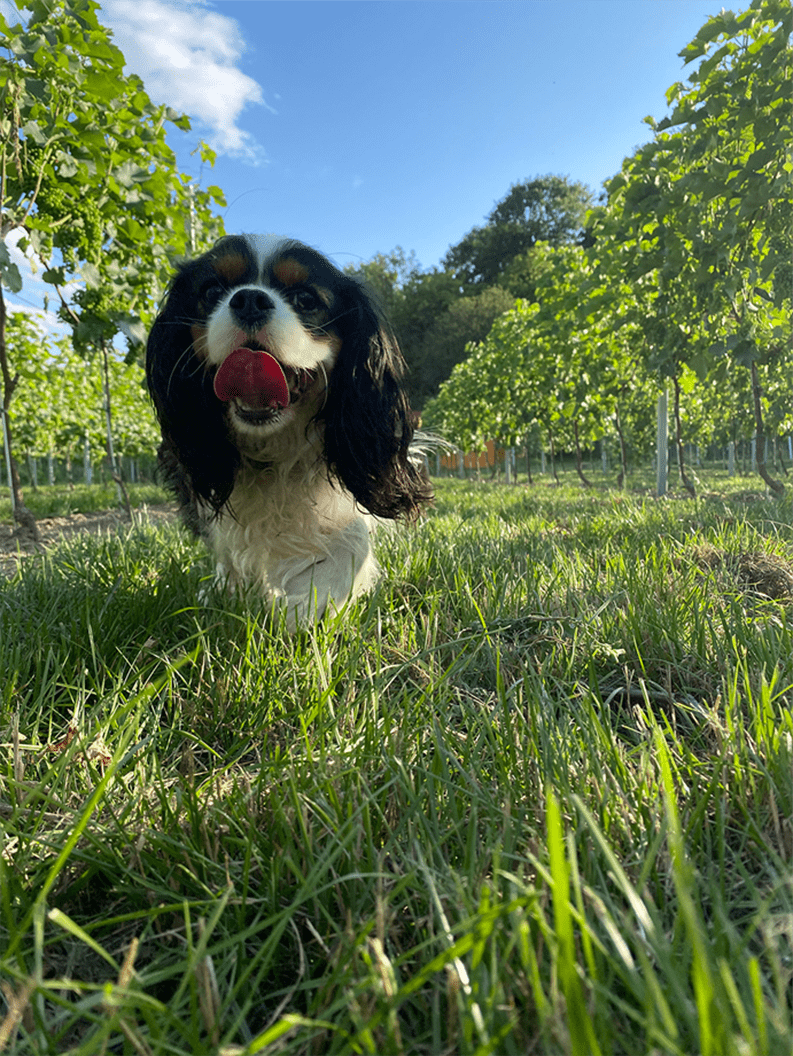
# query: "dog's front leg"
344, 569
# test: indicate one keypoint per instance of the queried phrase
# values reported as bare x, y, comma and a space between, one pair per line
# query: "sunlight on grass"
532, 794
60, 500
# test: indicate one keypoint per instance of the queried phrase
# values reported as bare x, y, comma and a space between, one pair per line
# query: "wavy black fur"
196, 457
368, 421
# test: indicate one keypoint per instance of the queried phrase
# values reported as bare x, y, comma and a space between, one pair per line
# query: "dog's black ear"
368, 422
195, 442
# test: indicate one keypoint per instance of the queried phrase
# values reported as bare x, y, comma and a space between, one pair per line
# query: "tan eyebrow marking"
290, 271
230, 267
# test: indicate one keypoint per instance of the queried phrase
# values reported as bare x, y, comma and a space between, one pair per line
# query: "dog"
286, 431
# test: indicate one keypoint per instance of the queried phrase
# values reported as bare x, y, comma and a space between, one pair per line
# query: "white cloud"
187, 56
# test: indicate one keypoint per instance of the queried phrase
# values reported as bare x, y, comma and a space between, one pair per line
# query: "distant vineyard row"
61, 407
685, 280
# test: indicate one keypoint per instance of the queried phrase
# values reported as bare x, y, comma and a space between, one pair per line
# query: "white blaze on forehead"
266, 248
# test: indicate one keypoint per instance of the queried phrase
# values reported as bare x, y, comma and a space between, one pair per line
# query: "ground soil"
15, 547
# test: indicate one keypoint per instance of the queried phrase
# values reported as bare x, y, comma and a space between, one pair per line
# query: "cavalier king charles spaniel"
286, 433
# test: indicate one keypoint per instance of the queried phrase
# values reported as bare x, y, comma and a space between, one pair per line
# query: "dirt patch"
52, 530
766, 574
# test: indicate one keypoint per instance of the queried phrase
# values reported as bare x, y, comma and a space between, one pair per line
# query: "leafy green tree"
487, 396
87, 176
60, 402
702, 216
598, 387
688, 272
386, 275
463, 410
548, 209
136, 432
413, 301
27, 337
505, 389
424, 299
563, 365
524, 273
466, 321
437, 313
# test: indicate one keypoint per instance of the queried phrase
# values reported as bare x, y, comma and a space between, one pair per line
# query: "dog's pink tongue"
254, 377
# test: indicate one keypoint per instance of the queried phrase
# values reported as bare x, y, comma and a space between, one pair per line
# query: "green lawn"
60, 500
534, 795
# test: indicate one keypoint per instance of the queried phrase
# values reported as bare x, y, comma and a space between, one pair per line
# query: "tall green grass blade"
582, 1034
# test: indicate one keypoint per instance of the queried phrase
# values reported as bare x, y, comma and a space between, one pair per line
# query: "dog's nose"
251, 308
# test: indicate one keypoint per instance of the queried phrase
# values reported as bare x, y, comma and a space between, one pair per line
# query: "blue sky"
359, 126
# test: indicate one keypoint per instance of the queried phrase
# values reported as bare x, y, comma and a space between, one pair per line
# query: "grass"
61, 500
534, 795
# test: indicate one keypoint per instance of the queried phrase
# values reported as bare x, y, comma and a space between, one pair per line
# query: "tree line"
63, 398
436, 313
679, 275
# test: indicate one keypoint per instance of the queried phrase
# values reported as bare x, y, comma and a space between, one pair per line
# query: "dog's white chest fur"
295, 539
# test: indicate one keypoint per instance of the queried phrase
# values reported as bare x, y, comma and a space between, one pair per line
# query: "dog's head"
260, 338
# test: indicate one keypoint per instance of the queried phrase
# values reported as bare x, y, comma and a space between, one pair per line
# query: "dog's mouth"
258, 385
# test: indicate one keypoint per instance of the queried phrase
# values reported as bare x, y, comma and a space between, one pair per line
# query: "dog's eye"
211, 292
304, 300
